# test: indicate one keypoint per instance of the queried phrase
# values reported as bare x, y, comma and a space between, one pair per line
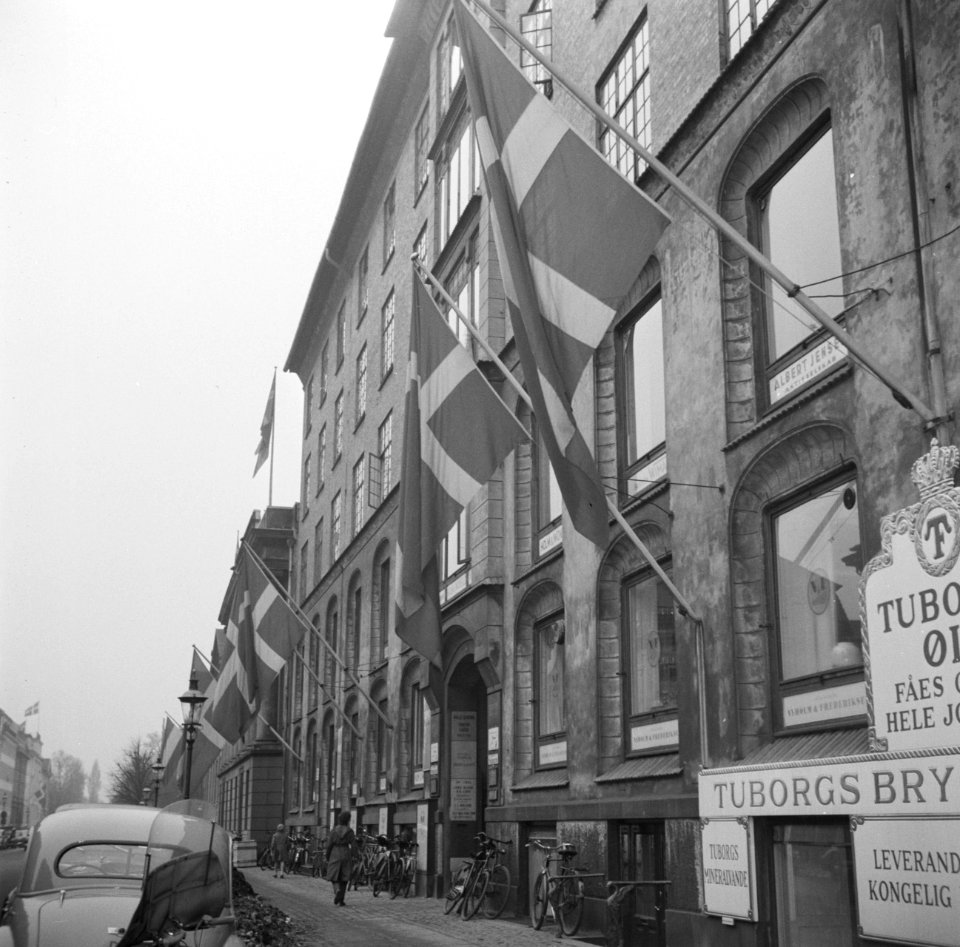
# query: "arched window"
354, 629
330, 665
381, 605
310, 765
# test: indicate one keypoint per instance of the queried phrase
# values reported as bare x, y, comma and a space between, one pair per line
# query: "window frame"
341, 336
321, 457
421, 151
390, 224
358, 482
388, 319
338, 421
318, 537
535, 72
554, 737
361, 389
363, 284
336, 526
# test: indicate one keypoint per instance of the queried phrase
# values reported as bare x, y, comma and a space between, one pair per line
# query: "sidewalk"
366, 921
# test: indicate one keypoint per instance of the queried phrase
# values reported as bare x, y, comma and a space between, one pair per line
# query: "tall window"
361, 384
332, 636
385, 609
805, 190
353, 752
310, 766
307, 405
463, 286
298, 681
341, 332
389, 224
318, 551
548, 504
818, 561
536, 26
338, 428
385, 453
304, 558
355, 627
358, 469
624, 94
650, 651
550, 716
457, 170
640, 388
455, 551
315, 648
383, 745
305, 485
362, 285
324, 370
449, 67
387, 318
421, 246
421, 146
743, 17
416, 727
321, 457
336, 515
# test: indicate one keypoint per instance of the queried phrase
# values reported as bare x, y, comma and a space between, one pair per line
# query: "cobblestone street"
366, 921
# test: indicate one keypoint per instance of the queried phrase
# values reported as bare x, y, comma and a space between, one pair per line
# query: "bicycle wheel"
396, 878
539, 901
570, 903
473, 897
406, 880
458, 886
498, 890
380, 879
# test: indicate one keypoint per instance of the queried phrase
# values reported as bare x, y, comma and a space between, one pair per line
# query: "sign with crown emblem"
910, 614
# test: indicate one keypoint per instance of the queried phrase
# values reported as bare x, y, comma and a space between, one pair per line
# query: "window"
362, 291
817, 564
385, 453
298, 681
353, 751
387, 317
449, 67
358, 495
649, 650
389, 225
383, 745
336, 513
743, 17
338, 428
354, 626
640, 388
548, 502
385, 610
304, 558
805, 190
307, 405
550, 717
315, 647
318, 551
813, 882
455, 551
361, 384
330, 663
296, 763
421, 147
463, 286
421, 246
537, 29
416, 727
624, 94
311, 764
324, 376
321, 456
305, 485
457, 171
341, 332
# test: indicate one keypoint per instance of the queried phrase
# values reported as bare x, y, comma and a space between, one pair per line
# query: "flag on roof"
457, 432
32, 709
572, 236
266, 427
261, 635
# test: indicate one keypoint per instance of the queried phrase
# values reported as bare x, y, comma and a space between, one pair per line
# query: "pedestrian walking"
278, 848
340, 852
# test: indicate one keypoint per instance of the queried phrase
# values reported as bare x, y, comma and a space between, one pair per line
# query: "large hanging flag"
208, 742
266, 427
456, 432
572, 236
171, 755
261, 635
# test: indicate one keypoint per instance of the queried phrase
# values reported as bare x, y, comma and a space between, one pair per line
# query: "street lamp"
191, 704
157, 776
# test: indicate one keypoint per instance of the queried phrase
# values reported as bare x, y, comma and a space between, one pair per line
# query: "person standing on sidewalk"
278, 848
340, 851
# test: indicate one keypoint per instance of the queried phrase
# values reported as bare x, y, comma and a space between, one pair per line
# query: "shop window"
817, 561
624, 94
813, 883
649, 650
804, 190
550, 716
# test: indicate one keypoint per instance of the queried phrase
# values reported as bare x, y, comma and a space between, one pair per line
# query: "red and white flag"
572, 236
261, 635
456, 432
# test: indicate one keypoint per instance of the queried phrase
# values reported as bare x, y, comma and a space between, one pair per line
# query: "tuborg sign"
910, 612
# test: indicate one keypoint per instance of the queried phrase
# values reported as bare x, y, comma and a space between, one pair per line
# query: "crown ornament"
933, 472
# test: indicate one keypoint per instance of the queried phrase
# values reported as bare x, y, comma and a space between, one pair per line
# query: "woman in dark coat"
340, 849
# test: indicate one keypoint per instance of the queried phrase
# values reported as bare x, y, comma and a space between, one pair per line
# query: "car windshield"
102, 860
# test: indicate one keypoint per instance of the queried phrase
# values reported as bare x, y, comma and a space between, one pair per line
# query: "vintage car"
117, 876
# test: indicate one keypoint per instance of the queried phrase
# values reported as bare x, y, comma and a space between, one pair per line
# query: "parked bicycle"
364, 864
382, 867
402, 880
482, 880
297, 857
559, 887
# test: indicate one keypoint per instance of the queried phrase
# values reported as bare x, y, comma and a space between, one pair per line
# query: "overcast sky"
168, 177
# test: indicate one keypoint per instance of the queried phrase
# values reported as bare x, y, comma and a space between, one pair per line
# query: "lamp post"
191, 704
157, 776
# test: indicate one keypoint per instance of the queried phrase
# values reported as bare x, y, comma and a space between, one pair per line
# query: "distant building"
23, 774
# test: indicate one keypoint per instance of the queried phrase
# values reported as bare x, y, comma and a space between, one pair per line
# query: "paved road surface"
365, 921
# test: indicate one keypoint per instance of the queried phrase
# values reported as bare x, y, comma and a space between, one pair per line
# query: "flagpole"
628, 530
323, 687
298, 612
269, 726
902, 396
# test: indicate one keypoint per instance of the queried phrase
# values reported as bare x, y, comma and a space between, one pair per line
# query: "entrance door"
641, 859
